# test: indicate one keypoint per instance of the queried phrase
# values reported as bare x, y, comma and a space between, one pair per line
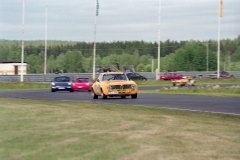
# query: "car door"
97, 85
129, 75
137, 76
178, 76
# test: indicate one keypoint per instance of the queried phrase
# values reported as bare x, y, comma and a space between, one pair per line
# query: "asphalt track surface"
223, 105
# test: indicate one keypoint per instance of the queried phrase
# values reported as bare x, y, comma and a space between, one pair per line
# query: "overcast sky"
119, 20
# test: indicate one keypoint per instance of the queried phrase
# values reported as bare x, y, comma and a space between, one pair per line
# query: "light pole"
159, 16
45, 55
22, 58
207, 56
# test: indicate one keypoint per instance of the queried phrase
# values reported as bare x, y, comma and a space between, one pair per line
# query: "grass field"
209, 90
48, 130
31, 85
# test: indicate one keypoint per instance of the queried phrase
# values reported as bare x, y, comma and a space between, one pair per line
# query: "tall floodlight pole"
218, 55
22, 59
45, 57
207, 56
94, 46
159, 15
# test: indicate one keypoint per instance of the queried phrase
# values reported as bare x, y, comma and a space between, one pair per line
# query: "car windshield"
62, 79
107, 77
82, 80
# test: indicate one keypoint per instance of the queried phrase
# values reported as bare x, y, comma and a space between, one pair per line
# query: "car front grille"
121, 87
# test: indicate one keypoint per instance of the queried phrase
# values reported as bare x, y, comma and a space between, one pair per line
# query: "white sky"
119, 20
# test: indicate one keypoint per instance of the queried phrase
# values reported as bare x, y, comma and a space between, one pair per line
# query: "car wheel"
103, 95
94, 95
134, 96
53, 90
144, 79
174, 84
123, 97
71, 90
89, 90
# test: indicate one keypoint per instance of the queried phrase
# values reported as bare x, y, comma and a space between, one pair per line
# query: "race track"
194, 103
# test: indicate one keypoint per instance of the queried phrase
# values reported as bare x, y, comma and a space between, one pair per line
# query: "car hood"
117, 82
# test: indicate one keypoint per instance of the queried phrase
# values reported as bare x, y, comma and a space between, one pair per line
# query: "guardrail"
49, 77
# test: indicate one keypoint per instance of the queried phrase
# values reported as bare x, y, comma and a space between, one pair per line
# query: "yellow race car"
185, 81
114, 84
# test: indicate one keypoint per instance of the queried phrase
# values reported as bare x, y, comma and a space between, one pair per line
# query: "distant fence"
49, 77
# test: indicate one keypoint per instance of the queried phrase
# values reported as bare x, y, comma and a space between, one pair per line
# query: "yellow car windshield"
107, 77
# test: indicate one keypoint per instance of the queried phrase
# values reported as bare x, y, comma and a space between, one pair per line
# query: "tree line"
68, 56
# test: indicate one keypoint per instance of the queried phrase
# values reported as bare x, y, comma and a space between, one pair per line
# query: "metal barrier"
49, 77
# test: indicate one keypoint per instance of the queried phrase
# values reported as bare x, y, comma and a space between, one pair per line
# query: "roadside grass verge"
198, 81
33, 85
42, 130
23, 85
209, 90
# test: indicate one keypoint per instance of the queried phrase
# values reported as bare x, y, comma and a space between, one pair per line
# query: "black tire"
71, 90
53, 90
94, 95
123, 97
134, 96
103, 95
174, 84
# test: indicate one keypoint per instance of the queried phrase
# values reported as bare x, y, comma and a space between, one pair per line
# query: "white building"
12, 68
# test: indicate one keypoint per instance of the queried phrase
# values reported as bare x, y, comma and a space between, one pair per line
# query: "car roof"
112, 73
61, 76
82, 77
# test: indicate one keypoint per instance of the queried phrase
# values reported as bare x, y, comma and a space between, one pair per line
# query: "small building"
12, 68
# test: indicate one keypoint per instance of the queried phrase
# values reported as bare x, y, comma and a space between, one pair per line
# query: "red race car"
222, 74
171, 76
82, 83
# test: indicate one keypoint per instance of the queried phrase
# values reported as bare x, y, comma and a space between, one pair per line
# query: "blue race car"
62, 83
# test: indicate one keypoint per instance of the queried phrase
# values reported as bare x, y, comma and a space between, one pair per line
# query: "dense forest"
69, 57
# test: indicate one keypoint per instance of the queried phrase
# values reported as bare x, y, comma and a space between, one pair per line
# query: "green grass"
199, 81
23, 85
46, 130
32, 85
209, 90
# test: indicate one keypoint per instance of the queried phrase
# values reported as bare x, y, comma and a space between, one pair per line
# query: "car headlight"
69, 83
132, 86
109, 88
53, 83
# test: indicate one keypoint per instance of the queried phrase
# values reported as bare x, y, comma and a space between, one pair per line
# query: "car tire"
103, 95
53, 90
174, 84
71, 90
94, 95
134, 96
123, 97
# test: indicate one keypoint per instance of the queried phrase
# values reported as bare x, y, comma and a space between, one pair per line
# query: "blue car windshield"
62, 79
